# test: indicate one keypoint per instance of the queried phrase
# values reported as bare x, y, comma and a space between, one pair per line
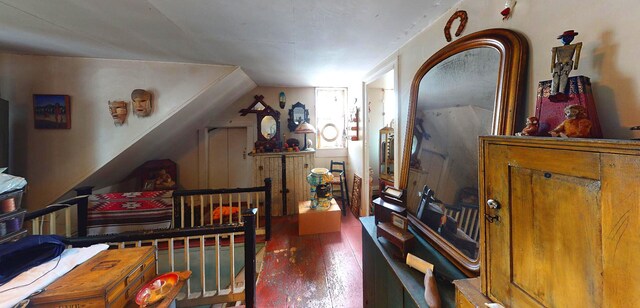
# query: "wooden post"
267, 208
249, 217
83, 208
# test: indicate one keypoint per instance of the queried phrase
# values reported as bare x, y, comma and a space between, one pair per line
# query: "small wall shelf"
355, 124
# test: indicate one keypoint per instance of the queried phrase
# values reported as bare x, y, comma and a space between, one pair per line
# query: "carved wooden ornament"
463, 23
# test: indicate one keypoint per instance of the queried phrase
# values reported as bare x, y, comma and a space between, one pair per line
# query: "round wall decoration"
330, 132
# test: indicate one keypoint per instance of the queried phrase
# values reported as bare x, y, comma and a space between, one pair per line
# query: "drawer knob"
493, 204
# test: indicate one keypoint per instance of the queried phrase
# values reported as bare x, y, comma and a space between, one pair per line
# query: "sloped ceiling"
276, 42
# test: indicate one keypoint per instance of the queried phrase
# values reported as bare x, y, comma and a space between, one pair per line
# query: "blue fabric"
26, 253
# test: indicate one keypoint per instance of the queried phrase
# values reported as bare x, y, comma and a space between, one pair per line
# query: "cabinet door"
271, 167
298, 167
545, 248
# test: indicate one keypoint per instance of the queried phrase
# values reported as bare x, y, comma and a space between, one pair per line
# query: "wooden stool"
311, 221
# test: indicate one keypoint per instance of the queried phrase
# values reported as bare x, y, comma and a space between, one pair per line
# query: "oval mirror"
268, 127
468, 89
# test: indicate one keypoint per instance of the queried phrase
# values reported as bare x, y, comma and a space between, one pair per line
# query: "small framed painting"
399, 221
51, 111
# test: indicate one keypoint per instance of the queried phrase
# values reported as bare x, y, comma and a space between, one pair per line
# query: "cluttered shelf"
389, 282
282, 153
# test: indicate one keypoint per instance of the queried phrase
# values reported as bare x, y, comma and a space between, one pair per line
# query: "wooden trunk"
286, 191
109, 279
565, 233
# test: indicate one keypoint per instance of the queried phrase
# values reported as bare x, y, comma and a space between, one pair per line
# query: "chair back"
337, 167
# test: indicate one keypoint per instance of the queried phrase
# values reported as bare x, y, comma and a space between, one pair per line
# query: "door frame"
391, 66
203, 148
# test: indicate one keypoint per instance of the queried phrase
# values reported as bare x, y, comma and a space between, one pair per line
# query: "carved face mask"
118, 111
141, 102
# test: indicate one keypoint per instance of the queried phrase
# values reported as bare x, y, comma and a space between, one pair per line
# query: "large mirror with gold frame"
469, 88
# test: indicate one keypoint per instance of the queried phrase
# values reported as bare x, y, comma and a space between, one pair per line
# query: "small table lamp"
305, 128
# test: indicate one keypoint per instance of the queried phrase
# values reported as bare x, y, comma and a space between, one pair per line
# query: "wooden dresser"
288, 172
562, 227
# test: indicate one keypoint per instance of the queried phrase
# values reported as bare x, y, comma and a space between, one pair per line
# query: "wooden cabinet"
468, 293
563, 228
389, 282
288, 172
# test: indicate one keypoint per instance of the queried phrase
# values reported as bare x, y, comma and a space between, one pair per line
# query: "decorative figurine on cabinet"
562, 63
576, 125
531, 129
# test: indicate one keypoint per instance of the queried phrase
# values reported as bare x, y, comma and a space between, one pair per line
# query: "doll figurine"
576, 125
531, 129
562, 62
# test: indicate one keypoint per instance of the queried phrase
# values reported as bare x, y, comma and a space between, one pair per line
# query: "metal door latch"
491, 219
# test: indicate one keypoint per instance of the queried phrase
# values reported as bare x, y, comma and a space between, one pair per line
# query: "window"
330, 118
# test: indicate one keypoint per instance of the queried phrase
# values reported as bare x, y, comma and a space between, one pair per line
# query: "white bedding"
69, 259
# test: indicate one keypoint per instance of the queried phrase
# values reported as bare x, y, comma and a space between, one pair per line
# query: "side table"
312, 221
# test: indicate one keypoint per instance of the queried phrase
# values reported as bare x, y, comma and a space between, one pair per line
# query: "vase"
318, 177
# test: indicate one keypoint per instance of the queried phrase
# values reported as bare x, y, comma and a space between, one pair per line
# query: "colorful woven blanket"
133, 211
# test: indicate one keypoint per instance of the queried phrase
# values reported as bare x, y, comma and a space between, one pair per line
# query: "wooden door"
229, 166
544, 249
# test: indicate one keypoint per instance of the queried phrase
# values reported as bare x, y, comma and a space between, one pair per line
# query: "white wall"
54, 161
608, 55
355, 164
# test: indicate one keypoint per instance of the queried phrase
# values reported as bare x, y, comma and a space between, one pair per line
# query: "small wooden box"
109, 279
383, 210
312, 221
400, 238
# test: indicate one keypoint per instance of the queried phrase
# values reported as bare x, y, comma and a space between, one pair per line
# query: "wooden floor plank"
321, 270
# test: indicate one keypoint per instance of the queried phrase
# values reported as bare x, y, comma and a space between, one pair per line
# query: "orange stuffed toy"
225, 212
577, 125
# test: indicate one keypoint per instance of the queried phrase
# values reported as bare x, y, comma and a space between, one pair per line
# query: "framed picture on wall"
51, 111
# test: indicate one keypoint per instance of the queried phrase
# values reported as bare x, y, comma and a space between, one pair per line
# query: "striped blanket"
133, 211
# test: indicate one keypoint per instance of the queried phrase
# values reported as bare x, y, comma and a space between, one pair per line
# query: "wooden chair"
467, 217
339, 170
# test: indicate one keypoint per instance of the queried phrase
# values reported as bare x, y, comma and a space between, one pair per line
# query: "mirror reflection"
268, 127
455, 105
298, 115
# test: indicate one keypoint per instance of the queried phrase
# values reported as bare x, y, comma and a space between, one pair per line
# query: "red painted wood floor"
320, 270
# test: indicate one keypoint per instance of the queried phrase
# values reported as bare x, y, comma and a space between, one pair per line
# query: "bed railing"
203, 245
193, 208
167, 240
46, 220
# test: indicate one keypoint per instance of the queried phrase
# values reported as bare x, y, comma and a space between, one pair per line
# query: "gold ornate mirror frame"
513, 50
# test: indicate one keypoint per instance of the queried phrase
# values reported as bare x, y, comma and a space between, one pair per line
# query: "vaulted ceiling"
276, 42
